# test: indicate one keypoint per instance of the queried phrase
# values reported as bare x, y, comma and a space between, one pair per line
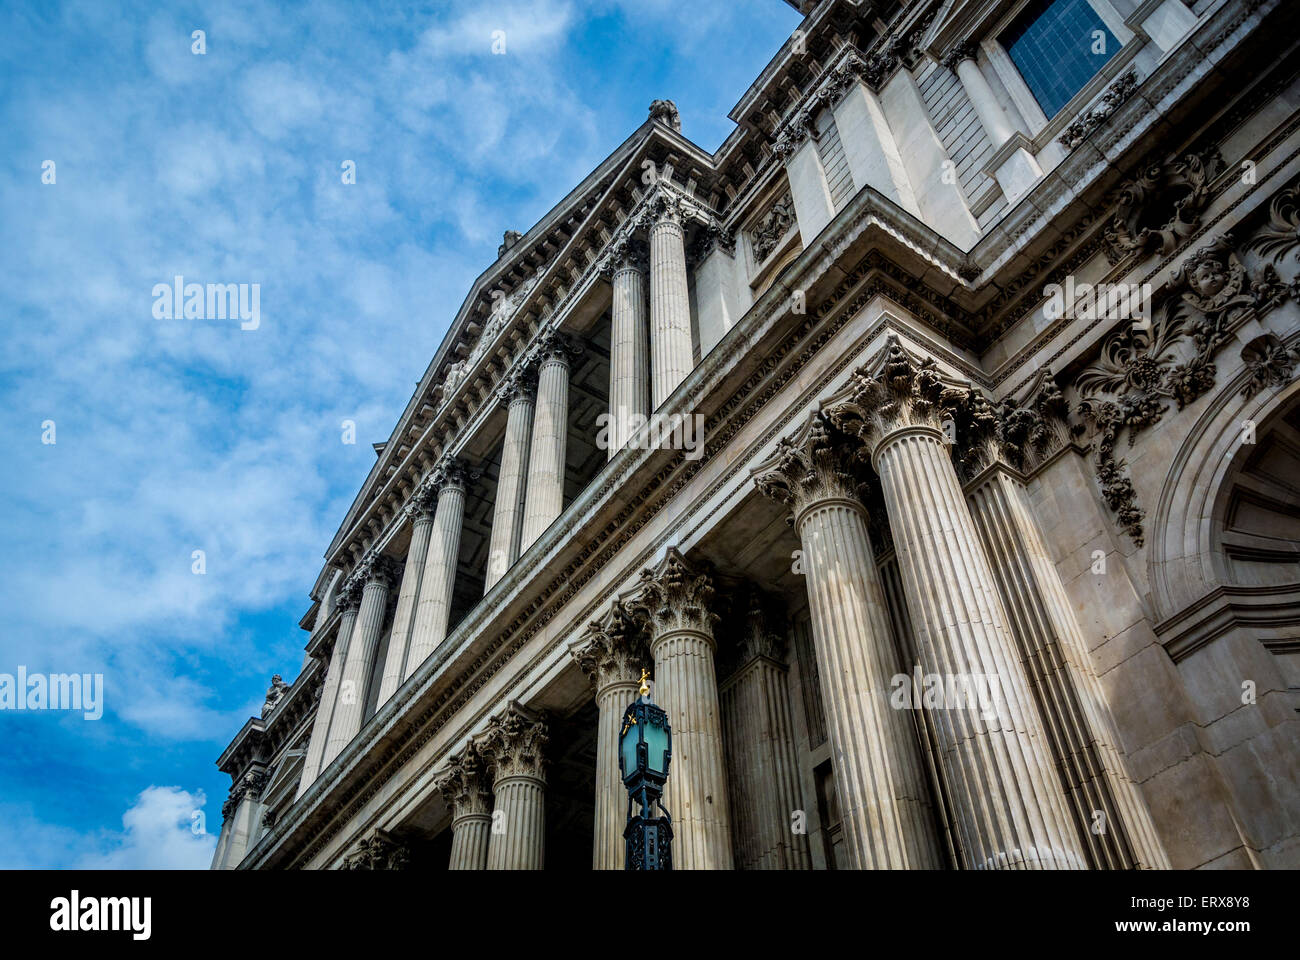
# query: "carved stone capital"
453, 474
761, 633
625, 252
963, 50
612, 649
904, 393
513, 743
249, 785
674, 596
378, 852
422, 503
519, 384
377, 568
817, 464
465, 785
713, 236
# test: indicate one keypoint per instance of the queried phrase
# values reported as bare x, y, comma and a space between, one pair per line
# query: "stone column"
464, 785
544, 498
612, 652
629, 361
420, 510
671, 352
377, 574
433, 611
513, 743
673, 600
885, 807
1108, 809
1014, 166
347, 601
764, 770
1007, 801
241, 820
519, 395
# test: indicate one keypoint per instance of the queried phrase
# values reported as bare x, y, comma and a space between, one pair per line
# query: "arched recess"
1225, 517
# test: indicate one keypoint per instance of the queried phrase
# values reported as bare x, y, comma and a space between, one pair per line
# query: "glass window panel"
1053, 44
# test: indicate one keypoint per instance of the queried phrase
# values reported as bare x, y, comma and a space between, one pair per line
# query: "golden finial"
645, 686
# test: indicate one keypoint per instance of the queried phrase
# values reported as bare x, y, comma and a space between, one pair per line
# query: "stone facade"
938, 458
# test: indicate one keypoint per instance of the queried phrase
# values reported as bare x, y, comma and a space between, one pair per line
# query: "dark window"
1056, 46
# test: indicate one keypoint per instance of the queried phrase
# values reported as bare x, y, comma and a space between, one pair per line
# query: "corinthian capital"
377, 568
903, 393
626, 252
452, 474
612, 649
674, 596
520, 384
814, 465
464, 784
513, 743
964, 50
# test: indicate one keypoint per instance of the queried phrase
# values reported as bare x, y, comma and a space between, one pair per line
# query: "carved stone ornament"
964, 50
816, 464
274, 694
1162, 206
378, 852
513, 744
675, 595
465, 785
665, 112
1128, 386
612, 649
1115, 95
904, 393
250, 785
771, 230
1281, 235
1269, 363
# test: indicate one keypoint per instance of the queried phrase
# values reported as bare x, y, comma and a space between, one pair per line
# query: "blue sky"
179, 435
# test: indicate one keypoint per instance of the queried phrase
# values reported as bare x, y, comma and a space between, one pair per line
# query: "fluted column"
629, 361
544, 497
1007, 800
1107, 807
377, 574
885, 808
514, 742
612, 652
519, 395
673, 599
420, 511
437, 586
671, 349
464, 785
347, 600
763, 772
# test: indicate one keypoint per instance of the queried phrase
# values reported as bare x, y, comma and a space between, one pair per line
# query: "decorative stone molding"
378, 568
665, 112
1115, 95
625, 252
519, 384
714, 236
772, 228
816, 464
513, 744
612, 649
422, 502
1162, 206
675, 595
453, 473
378, 852
1034, 429
464, 784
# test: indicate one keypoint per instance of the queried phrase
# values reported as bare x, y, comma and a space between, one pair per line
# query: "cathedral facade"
934, 445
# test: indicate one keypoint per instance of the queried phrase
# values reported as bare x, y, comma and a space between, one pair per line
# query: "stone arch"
1187, 558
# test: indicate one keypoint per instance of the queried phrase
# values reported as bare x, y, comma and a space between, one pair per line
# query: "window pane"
1052, 43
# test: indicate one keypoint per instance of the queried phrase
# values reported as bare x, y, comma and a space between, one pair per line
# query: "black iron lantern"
645, 748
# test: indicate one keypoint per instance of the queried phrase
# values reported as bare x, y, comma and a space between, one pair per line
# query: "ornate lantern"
645, 748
